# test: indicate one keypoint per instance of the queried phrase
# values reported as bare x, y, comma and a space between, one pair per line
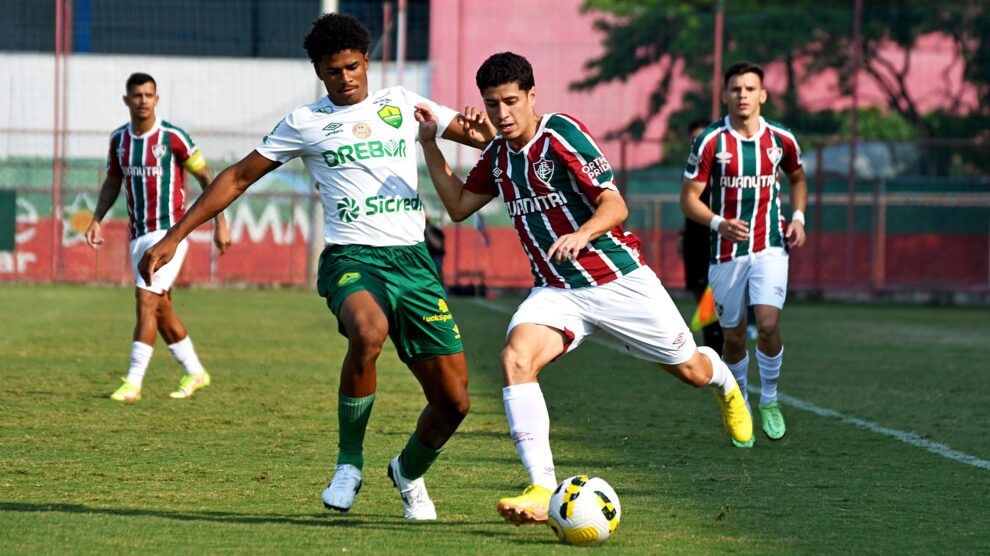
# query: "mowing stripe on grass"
936, 448
908, 437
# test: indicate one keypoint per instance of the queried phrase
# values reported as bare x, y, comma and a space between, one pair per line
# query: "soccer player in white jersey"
375, 271
147, 157
741, 156
589, 273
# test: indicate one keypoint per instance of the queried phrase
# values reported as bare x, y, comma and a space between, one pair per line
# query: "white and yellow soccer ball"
584, 510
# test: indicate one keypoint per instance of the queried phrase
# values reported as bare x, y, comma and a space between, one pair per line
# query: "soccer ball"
584, 510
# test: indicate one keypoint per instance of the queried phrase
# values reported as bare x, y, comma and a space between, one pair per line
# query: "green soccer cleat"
529, 507
189, 384
127, 392
736, 417
749, 444
773, 420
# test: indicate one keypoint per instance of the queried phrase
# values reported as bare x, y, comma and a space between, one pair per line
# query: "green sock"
416, 458
352, 418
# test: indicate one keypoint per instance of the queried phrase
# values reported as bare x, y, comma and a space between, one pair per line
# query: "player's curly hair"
502, 68
332, 33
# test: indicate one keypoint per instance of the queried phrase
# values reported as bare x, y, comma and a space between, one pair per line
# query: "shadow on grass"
319, 520
492, 529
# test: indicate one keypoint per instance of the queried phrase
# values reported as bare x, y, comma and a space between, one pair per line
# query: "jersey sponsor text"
528, 205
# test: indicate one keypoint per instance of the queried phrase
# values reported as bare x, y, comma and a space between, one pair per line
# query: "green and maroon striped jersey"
745, 183
150, 166
549, 188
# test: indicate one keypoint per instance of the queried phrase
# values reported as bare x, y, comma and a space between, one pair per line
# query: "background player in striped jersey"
147, 156
589, 273
739, 157
375, 272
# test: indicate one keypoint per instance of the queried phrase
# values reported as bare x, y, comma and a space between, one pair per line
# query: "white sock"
140, 357
529, 425
740, 370
769, 374
720, 373
185, 354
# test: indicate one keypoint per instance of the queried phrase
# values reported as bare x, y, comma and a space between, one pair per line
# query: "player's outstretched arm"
799, 202
459, 202
221, 232
471, 128
109, 192
227, 187
692, 206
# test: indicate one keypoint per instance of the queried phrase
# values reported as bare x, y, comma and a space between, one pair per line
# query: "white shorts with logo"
756, 279
635, 309
165, 276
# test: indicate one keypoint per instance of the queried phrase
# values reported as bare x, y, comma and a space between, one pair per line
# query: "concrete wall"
226, 104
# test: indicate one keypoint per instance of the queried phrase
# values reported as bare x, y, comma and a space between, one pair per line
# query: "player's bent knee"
767, 327
695, 371
692, 372
365, 347
734, 339
454, 408
460, 408
516, 366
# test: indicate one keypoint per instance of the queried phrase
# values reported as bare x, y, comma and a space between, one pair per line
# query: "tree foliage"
661, 33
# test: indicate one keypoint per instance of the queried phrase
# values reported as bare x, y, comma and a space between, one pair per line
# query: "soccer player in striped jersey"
589, 273
375, 271
740, 157
147, 156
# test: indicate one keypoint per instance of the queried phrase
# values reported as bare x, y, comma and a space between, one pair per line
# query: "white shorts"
165, 276
756, 279
635, 309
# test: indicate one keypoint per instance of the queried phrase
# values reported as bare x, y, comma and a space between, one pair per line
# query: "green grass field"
240, 467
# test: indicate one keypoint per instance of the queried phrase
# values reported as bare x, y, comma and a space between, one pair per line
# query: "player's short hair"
503, 68
740, 68
332, 33
139, 79
697, 123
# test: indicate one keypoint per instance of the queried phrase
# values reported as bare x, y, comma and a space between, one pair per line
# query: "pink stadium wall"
557, 39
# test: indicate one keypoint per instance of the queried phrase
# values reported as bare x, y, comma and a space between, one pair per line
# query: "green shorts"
405, 283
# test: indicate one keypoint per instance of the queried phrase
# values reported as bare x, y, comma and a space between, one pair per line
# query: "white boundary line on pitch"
936, 448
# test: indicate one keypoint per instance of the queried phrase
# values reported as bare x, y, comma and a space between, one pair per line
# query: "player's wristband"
798, 216
716, 220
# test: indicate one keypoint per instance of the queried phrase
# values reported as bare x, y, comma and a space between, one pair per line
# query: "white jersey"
363, 160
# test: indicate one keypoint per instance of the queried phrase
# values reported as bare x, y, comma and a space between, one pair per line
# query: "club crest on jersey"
361, 130
543, 168
775, 154
391, 115
723, 157
158, 151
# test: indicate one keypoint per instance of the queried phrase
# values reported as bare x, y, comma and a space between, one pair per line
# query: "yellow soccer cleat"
189, 384
527, 508
736, 417
127, 392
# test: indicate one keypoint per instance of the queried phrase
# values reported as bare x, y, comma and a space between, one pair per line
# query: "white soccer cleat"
416, 503
346, 483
